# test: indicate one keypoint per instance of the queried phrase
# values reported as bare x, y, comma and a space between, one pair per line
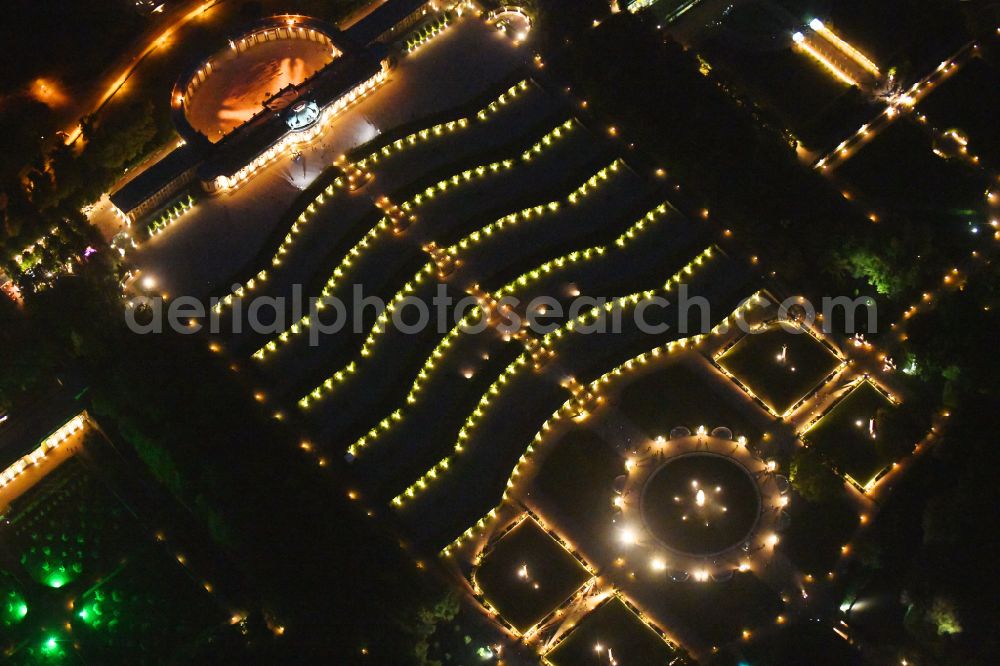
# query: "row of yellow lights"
435, 31
673, 346
172, 216
547, 140
426, 134
586, 254
285, 245
382, 323
49, 444
411, 140
590, 316
471, 422
471, 532
802, 42
861, 59
466, 176
514, 219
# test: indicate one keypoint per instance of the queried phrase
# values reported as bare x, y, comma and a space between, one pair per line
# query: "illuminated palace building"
38, 438
273, 86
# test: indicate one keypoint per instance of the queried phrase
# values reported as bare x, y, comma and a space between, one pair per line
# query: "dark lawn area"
525, 596
145, 611
576, 485
612, 626
754, 360
839, 120
817, 531
848, 445
753, 47
678, 395
720, 612
899, 171
812, 643
969, 101
913, 35
755, 21
731, 504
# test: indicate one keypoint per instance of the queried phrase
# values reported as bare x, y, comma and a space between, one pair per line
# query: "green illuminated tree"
881, 270
428, 621
13, 606
812, 478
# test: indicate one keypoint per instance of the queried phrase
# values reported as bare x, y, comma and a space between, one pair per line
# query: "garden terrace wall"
283, 226
466, 111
